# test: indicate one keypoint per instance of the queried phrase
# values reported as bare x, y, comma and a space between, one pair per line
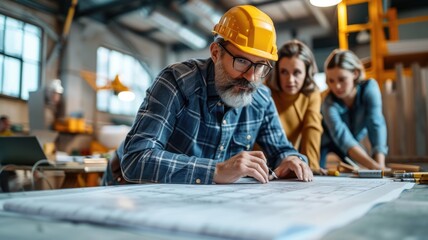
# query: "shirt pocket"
242, 141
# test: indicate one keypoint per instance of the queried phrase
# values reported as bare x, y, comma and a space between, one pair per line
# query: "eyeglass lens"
243, 65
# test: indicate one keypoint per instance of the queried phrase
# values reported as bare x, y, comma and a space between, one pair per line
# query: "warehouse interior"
87, 44
74, 75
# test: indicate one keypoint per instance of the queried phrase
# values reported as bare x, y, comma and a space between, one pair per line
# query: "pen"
411, 174
415, 180
273, 173
350, 162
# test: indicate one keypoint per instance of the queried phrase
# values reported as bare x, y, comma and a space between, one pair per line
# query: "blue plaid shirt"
183, 129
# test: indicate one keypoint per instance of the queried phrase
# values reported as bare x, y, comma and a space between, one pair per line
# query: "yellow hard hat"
249, 29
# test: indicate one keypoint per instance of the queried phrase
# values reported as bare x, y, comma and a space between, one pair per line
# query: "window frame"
39, 63
108, 109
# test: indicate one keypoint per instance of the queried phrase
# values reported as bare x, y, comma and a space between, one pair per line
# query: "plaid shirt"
183, 129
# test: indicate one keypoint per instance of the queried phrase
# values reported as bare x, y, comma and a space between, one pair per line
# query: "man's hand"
293, 164
251, 163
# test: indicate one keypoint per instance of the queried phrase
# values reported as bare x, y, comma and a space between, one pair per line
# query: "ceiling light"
122, 91
126, 96
363, 37
324, 3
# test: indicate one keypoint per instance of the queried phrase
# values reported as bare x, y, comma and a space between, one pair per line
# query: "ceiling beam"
295, 24
38, 6
104, 7
144, 34
260, 4
127, 8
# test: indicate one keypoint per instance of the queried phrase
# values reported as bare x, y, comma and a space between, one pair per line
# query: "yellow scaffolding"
378, 21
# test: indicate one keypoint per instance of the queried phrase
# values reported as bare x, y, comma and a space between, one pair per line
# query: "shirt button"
248, 147
248, 137
198, 181
224, 122
221, 148
219, 104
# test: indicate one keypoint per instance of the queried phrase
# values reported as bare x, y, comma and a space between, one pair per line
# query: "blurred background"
81, 68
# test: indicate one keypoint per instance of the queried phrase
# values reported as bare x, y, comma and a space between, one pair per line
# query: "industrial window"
20, 57
131, 73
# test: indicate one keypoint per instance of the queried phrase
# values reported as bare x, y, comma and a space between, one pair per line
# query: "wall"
17, 110
85, 38
413, 30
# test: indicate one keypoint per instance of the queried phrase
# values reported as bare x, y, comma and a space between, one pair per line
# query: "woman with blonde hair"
351, 111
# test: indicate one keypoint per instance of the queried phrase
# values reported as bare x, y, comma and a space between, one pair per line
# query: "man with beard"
201, 118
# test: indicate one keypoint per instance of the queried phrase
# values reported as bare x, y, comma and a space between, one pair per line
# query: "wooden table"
75, 174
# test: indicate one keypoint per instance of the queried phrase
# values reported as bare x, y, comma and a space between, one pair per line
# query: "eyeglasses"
243, 65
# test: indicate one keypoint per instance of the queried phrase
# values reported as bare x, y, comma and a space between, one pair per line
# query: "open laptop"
20, 150
44, 136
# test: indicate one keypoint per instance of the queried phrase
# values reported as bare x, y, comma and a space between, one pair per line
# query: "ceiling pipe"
176, 29
200, 12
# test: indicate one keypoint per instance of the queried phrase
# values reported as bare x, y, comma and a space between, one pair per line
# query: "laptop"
20, 150
44, 136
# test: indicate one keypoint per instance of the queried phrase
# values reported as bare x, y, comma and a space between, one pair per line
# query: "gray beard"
236, 100
224, 86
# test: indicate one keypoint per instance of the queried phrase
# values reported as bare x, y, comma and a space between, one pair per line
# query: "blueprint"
276, 210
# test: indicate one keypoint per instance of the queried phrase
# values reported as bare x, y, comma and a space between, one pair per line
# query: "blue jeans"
328, 149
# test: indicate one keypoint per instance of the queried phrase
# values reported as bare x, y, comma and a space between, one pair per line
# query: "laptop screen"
20, 150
